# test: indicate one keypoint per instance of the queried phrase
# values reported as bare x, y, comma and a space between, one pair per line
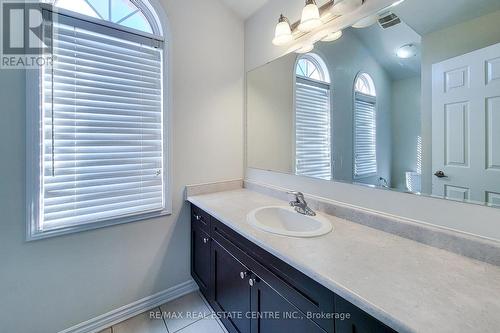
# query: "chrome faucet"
300, 204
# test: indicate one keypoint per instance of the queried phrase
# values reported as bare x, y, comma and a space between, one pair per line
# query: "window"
313, 157
365, 127
122, 12
102, 157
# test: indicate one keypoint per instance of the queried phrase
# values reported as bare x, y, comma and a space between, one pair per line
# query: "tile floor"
188, 314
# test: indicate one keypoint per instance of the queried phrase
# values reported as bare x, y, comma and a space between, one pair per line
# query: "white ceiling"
383, 44
245, 8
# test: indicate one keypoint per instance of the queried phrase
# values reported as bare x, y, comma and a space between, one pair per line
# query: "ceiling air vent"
388, 19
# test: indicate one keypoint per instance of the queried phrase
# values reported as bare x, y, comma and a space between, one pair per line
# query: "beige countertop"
410, 286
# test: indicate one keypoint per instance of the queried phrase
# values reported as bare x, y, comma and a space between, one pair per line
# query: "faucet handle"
299, 196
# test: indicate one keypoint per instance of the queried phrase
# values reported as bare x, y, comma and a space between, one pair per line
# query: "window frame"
34, 109
368, 99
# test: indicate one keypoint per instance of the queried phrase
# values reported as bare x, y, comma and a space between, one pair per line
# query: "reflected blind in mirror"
312, 129
365, 136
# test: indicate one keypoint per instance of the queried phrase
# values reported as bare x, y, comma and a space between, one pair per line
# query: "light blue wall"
406, 116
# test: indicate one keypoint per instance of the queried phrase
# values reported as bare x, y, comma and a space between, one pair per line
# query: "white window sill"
33, 235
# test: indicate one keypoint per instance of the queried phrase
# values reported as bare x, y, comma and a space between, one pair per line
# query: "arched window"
102, 153
311, 66
365, 127
313, 147
131, 14
364, 85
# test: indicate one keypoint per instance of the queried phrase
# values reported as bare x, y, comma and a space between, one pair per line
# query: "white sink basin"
284, 220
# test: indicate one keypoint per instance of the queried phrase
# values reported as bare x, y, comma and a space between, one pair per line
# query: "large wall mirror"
407, 100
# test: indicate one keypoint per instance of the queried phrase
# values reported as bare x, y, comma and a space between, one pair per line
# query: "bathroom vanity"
353, 279
253, 291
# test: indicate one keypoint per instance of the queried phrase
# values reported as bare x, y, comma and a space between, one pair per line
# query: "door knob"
205, 240
251, 282
440, 174
243, 275
197, 217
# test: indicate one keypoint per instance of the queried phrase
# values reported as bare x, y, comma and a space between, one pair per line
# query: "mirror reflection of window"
365, 127
313, 146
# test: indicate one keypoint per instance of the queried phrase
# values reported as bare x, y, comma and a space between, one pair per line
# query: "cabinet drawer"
304, 293
200, 219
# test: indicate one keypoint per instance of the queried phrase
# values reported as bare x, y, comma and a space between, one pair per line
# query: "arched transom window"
313, 150
365, 85
311, 66
122, 12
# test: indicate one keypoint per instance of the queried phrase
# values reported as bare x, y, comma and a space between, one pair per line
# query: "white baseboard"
111, 318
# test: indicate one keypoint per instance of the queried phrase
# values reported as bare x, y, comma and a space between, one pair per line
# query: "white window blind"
365, 135
312, 126
102, 154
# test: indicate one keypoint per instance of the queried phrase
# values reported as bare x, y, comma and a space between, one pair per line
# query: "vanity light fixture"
333, 36
343, 7
283, 34
310, 17
407, 51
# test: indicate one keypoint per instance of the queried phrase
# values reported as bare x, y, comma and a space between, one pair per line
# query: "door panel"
493, 199
466, 126
456, 193
457, 134
492, 70
493, 124
231, 292
275, 314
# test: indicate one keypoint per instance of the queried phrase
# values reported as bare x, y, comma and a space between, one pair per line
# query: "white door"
466, 127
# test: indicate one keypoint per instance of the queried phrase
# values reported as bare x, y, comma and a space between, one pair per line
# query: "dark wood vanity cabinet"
200, 251
254, 292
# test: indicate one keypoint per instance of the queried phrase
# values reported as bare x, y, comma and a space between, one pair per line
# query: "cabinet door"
273, 313
200, 259
359, 321
231, 295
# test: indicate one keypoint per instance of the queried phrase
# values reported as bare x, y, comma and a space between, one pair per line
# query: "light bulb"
283, 34
345, 6
333, 36
310, 17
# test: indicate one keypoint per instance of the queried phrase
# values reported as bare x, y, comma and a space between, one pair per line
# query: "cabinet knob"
251, 282
197, 217
243, 275
205, 240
